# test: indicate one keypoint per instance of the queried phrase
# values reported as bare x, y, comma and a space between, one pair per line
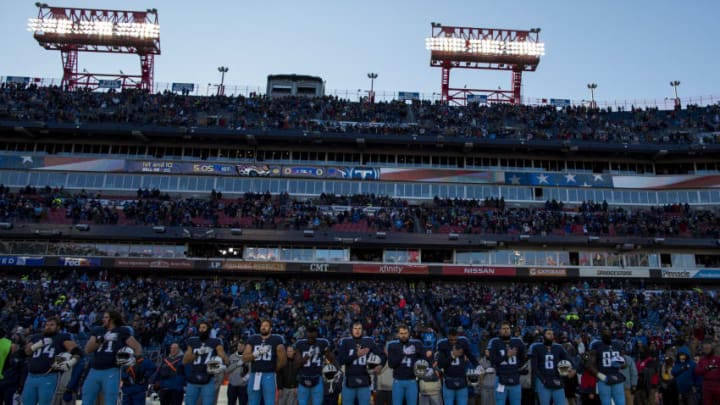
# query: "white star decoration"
27, 159
570, 178
598, 177
514, 179
542, 178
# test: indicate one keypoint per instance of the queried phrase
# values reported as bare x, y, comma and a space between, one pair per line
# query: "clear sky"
632, 49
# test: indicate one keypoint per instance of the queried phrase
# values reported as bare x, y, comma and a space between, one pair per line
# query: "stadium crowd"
368, 212
330, 114
162, 312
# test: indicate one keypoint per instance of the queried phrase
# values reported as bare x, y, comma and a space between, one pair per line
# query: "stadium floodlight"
371, 94
103, 29
484, 48
221, 87
675, 84
73, 30
592, 87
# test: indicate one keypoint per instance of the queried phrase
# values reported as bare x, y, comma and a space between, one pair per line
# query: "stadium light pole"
592, 87
221, 88
675, 84
371, 95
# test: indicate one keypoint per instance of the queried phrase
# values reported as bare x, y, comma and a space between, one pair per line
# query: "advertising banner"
390, 269
21, 261
620, 273
180, 264
547, 272
241, 265
80, 262
479, 271
320, 267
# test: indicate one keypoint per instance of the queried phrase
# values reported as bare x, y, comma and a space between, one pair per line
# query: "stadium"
311, 210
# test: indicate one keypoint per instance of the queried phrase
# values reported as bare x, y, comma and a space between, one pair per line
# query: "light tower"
371, 94
484, 48
675, 84
592, 87
74, 30
221, 87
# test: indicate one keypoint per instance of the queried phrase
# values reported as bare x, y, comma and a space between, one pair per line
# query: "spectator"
169, 381
683, 372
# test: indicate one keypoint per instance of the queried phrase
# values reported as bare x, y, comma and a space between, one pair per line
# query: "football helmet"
61, 360
215, 365
373, 360
125, 357
474, 375
564, 368
617, 361
420, 368
329, 372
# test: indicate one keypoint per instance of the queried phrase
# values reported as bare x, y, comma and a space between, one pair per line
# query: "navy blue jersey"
402, 357
604, 355
265, 352
316, 353
507, 367
544, 363
203, 350
347, 355
43, 358
110, 342
454, 367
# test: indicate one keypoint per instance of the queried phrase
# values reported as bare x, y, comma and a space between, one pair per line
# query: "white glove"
65, 365
602, 377
41, 343
409, 350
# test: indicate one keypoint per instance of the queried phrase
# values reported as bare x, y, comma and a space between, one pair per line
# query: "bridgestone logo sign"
635, 273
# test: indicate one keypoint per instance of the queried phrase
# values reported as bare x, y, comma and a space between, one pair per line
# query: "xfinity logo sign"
386, 268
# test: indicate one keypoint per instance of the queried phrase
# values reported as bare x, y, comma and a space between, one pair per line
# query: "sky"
632, 49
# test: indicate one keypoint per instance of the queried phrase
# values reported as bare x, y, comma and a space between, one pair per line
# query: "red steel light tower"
484, 48
74, 30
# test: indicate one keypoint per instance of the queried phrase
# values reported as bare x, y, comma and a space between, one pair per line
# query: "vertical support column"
147, 69
69, 57
445, 82
517, 87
